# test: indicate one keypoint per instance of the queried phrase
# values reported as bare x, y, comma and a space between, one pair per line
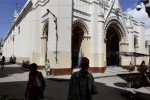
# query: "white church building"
63, 31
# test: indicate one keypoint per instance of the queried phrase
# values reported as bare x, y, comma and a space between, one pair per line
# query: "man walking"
82, 85
2, 62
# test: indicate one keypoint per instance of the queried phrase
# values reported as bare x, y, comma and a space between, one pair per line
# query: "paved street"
13, 80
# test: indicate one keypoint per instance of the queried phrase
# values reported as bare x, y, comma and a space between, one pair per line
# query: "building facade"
63, 31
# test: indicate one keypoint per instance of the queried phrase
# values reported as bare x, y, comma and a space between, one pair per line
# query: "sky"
7, 8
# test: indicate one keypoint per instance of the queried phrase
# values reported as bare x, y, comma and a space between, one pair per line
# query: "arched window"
135, 41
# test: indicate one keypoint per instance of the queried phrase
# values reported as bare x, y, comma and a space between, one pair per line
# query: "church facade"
63, 31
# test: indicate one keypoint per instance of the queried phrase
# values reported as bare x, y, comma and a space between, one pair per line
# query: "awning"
132, 54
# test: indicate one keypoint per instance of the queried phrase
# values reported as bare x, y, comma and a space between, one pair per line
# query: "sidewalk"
110, 86
108, 73
13, 73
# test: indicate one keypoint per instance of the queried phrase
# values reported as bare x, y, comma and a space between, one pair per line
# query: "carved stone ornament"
115, 21
82, 24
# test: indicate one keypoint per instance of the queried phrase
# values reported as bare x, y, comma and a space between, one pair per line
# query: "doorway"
112, 47
77, 39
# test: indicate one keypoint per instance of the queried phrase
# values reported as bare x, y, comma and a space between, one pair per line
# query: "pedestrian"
82, 85
47, 67
132, 67
142, 70
36, 84
2, 62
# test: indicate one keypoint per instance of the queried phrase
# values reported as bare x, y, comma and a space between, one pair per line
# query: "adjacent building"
63, 31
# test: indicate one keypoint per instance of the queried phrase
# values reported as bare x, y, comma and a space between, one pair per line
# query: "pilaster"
97, 31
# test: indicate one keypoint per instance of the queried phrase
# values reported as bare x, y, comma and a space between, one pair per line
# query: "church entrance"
77, 52
113, 58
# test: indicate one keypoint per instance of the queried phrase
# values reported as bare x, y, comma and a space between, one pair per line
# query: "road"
13, 80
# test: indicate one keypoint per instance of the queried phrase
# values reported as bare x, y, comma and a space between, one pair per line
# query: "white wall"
147, 34
63, 12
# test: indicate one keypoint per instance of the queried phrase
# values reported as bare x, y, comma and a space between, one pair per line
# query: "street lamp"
138, 7
55, 21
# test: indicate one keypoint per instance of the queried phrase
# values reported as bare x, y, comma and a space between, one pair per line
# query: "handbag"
38, 82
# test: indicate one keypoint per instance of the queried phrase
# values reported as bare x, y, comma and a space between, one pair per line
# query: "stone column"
97, 31
43, 50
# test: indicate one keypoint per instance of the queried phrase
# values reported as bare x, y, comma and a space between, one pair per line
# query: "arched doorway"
77, 38
44, 47
80, 42
112, 47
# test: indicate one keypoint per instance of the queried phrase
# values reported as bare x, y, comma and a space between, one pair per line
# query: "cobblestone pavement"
13, 80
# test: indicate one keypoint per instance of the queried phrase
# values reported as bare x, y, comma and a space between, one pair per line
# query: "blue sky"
125, 4
7, 8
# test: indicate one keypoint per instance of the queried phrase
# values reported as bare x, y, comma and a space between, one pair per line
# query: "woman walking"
47, 68
36, 84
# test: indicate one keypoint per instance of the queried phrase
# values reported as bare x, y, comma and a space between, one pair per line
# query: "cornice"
40, 3
23, 13
78, 17
84, 13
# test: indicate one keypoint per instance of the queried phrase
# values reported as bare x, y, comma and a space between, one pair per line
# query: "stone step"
115, 70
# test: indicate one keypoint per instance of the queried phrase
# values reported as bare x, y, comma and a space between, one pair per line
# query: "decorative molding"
43, 37
136, 46
111, 4
45, 25
81, 18
82, 24
41, 3
115, 21
81, 15
81, 12
87, 36
136, 32
124, 43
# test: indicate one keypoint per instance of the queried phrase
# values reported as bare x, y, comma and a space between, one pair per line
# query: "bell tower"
15, 13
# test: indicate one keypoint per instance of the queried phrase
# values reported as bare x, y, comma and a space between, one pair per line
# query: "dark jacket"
73, 93
32, 91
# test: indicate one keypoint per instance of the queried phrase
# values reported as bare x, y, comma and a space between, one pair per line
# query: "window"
135, 41
19, 30
146, 44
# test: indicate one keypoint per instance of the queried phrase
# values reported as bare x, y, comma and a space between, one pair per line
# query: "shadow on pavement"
8, 71
58, 90
137, 96
132, 96
13, 89
120, 84
134, 79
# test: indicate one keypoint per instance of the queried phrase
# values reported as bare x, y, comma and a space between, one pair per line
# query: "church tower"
15, 14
